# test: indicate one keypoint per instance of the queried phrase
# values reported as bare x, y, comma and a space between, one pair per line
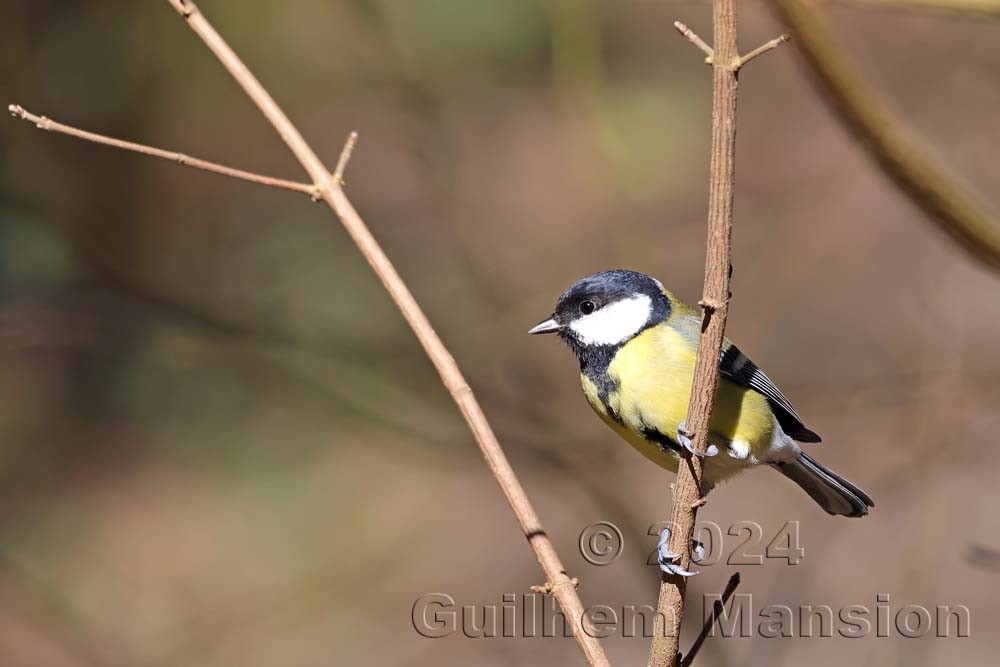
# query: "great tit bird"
636, 343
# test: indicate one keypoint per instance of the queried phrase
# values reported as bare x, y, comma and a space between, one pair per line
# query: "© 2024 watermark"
741, 543
739, 615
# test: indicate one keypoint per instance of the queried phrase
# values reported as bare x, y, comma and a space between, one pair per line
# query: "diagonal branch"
944, 199
982, 8
717, 610
43, 123
329, 187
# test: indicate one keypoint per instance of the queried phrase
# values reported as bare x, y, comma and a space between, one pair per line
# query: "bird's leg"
684, 438
668, 559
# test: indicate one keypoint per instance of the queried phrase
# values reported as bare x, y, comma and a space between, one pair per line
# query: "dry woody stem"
956, 210
332, 193
328, 188
687, 498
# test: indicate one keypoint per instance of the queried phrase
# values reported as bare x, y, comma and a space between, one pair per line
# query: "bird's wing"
739, 369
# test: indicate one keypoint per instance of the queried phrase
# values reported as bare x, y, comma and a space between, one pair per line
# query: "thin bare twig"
949, 203
345, 157
43, 123
687, 497
717, 609
763, 48
696, 40
740, 60
561, 585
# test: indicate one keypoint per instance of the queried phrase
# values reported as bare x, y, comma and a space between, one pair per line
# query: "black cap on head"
595, 292
604, 288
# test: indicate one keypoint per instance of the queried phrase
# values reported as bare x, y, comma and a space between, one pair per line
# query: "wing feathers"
740, 369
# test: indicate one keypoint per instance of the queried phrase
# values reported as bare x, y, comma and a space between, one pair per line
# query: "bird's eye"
587, 307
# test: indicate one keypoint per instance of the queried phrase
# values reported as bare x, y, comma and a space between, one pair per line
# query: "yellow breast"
651, 379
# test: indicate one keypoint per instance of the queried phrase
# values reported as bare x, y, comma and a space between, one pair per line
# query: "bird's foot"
668, 560
684, 438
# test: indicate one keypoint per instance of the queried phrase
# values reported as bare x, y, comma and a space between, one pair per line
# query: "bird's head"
606, 309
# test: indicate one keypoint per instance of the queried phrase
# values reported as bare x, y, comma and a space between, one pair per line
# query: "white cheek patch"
614, 323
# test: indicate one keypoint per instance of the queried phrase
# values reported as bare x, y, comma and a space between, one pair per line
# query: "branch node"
699, 503
459, 389
548, 587
710, 305
762, 49
41, 122
185, 8
696, 40
345, 157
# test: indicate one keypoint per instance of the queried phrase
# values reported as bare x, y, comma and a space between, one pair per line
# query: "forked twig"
739, 61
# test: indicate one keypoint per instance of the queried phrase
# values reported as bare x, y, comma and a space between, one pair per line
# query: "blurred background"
221, 445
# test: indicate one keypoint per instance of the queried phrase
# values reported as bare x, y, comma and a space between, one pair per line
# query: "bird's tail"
833, 493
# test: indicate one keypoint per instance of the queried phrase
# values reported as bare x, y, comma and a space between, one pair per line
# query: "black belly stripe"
594, 363
603, 397
661, 439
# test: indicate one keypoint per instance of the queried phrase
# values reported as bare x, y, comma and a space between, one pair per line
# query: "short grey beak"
548, 326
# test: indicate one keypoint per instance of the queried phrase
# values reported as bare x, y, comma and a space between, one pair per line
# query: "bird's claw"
699, 551
684, 438
667, 559
673, 568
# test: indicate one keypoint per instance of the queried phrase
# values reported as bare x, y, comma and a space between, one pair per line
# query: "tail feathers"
833, 493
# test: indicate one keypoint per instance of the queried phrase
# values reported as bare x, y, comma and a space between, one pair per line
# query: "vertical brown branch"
726, 63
